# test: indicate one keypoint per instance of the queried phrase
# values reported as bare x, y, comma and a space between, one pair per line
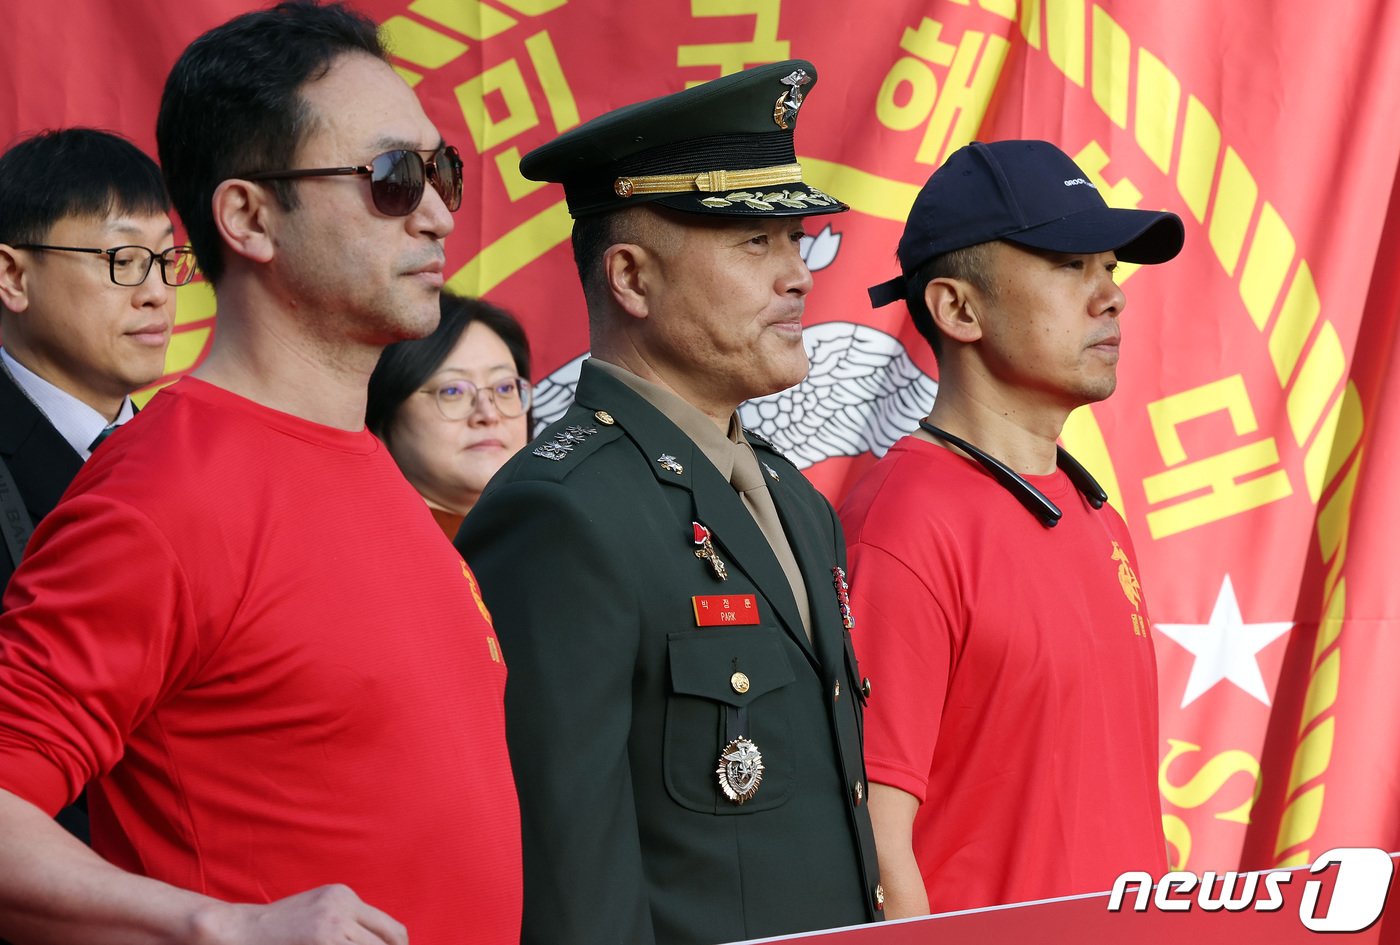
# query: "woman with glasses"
454, 406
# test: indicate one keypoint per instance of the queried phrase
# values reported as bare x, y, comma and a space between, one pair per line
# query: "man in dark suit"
86, 265
683, 706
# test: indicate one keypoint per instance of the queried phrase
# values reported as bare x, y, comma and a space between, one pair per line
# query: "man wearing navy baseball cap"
1011, 741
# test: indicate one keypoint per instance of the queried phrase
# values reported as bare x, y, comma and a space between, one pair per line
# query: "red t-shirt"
1014, 684
250, 632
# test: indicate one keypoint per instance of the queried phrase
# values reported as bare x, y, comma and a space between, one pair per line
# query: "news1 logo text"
1358, 891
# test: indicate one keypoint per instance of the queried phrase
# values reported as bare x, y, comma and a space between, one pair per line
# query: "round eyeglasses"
396, 178
130, 265
457, 399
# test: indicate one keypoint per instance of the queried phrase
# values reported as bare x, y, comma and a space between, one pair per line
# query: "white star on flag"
1225, 648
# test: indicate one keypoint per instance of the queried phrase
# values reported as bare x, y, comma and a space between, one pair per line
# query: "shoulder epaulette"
758, 439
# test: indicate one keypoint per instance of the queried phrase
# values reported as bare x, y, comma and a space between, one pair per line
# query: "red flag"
1249, 442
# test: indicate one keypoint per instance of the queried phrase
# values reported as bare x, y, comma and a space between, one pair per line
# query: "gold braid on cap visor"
708, 181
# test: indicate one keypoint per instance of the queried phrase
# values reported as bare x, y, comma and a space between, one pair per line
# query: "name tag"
725, 610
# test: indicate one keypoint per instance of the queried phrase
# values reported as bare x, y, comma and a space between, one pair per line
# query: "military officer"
683, 705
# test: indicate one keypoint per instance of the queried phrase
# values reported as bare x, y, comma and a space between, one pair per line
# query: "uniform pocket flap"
730, 666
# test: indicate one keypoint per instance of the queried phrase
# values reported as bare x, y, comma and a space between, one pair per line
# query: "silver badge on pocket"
740, 770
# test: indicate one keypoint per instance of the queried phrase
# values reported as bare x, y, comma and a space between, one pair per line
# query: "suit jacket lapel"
737, 537
814, 559
17, 416
733, 529
38, 456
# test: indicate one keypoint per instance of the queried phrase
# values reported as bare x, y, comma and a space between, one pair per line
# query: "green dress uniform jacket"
618, 705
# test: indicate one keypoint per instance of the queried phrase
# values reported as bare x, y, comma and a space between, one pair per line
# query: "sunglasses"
396, 178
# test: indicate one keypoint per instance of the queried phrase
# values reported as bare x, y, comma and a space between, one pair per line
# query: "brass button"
879, 896
623, 186
865, 687
605, 418
858, 792
740, 682
837, 693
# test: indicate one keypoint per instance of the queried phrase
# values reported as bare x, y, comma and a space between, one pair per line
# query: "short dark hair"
405, 365
594, 233
591, 237
971, 264
232, 105
83, 172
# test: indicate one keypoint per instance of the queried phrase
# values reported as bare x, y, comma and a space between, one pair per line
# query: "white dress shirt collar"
75, 421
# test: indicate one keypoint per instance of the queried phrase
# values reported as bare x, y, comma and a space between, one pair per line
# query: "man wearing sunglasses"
86, 271
1012, 734
284, 693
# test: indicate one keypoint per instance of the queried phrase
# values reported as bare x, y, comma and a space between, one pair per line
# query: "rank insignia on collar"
843, 597
564, 442
772, 473
668, 463
740, 770
706, 551
785, 108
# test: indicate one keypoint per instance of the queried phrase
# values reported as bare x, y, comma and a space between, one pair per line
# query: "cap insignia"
785, 108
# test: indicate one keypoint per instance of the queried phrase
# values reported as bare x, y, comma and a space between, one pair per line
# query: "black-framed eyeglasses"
396, 178
130, 265
1035, 501
457, 399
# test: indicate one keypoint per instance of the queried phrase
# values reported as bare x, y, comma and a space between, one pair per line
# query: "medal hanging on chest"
740, 770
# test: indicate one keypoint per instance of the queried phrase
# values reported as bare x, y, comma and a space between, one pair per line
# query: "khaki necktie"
748, 480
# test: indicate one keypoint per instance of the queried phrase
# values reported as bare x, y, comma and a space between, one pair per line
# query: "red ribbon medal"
706, 551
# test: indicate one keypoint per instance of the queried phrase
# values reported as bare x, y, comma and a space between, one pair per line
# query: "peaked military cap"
725, 147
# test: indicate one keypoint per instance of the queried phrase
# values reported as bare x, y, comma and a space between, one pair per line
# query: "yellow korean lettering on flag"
1250, 441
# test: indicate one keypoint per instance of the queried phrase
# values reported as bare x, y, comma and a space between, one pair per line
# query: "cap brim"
786, 200
1135, 236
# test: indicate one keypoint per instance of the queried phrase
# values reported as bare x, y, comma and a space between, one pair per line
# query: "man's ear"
628, 275
243, 215
14, 280
951, 303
